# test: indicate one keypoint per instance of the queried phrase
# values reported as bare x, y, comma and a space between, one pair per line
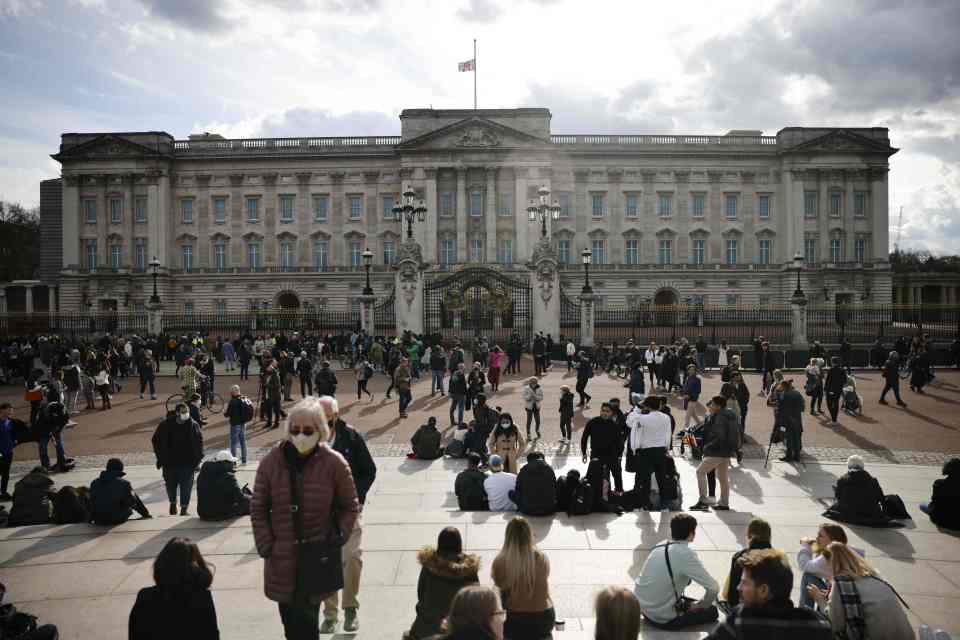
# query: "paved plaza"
85, 579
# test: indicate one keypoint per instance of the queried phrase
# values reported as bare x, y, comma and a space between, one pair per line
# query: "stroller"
851, 402
693, 438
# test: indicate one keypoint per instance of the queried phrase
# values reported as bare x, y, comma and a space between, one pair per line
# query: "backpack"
455, 449
894, 508
581, 499
71, 505
367, 371
565, 486
247, 410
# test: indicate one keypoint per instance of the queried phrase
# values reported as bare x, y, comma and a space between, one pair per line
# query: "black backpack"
894, 508
247, 410
581, 499
565, 486
71, 505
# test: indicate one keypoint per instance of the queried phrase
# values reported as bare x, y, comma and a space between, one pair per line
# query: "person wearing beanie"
112, 499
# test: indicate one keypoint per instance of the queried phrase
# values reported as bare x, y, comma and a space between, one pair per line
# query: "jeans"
57, 445
244, 370
534, 415
688, 619
300, 621
457, 403
273, 411
833, 405
238, 437
436, 382
891, 386
721, 466
178, 478
406, 397
806, 580
306, 386
566, 428
352, 556
362, 388
146, 381
701, 361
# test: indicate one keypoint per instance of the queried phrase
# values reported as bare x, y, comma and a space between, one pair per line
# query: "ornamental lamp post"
798, 267
367, 262
155, 271
406, 210
586, 256
543, 210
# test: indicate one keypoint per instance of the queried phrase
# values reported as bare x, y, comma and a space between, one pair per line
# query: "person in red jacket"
327, 505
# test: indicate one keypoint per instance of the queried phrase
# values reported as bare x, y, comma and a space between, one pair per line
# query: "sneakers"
700, 506
328, 626
882, 401
173, 508
902, 404
184, 512
350, 621
721, 507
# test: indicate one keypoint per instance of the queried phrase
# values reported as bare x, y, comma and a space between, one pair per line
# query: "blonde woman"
521, 572
618, 615
861, 603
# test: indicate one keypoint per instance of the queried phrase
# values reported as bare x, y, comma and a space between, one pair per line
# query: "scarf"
856, 624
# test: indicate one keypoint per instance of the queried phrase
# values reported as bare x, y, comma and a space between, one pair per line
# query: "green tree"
19, 241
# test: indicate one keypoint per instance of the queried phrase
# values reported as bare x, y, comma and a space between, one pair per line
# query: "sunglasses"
307, 431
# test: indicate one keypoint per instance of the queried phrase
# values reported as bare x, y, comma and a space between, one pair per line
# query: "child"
566, 414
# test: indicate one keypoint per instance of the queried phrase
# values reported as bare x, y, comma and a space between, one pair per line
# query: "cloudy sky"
248, 68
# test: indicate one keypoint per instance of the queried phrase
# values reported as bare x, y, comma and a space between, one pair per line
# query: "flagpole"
474, 74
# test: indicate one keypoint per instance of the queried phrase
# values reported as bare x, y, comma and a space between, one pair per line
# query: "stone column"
432, 202
798, 324
409, 288
521, 225
545, 280
461, 214
366, 313
3, 299
490, 220
71, 222
51, 300
586, 319
154, 319
28, 291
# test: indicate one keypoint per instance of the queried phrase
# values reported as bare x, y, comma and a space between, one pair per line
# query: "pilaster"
461, 214
490, 216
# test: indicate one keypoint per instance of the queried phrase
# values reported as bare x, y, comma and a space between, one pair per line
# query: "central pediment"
473, 133
842, 141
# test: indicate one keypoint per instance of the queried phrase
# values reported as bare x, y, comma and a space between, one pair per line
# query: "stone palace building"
284, 222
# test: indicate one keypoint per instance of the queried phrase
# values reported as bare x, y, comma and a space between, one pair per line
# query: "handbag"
682, 605
33, 395
319, 562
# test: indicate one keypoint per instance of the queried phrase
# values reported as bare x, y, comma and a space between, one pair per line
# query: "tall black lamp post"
543, 210
407, 210
586, 256
155, 271
367, 263
798, 267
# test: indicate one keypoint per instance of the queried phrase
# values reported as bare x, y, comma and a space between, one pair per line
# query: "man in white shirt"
571, 352
659, 587
649, 442
498, 485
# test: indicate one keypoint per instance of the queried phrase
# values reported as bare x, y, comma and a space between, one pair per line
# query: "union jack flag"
469, 65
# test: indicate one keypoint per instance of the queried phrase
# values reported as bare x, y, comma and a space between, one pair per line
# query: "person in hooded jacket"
32, 499
112, 499
536, 492
426, 441
942, 507
219, 496
444, 570
178, 445
471, 495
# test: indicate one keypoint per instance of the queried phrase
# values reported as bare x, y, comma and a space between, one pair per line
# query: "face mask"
183, 417
305, 444
505, 425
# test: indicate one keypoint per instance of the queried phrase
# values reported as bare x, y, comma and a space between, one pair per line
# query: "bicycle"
213, 405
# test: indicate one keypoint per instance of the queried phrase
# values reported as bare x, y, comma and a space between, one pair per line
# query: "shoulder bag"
682, 605
319, 562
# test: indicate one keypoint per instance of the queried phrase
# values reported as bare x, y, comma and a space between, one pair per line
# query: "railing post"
155, 319
798, 325
366, 313
586, 319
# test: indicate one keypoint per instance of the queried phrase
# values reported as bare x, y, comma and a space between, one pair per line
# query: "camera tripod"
774, 440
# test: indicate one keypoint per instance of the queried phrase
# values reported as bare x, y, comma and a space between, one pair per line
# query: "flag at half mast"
469, 65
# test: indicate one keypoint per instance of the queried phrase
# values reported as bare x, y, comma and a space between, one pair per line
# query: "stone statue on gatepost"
546, 289
409, 288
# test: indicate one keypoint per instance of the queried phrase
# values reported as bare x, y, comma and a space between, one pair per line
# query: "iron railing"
385, 317
866, 323
569, 318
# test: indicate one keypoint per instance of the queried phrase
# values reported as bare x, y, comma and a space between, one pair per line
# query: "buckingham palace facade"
236, 224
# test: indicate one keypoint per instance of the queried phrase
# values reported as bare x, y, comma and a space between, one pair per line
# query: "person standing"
438, 367
649, 442
178, 446
584, 373
146, 370
603, 436
458, 393
327, 507
722, 360
814, 385
10, 427
538, 350
836, 380
692, 388
351, 445
229, 355
273, 394
243, 358
532, 395
506, 442
566, 414
571, 355
402, 381
701, 354
326, 380
305, 373
495, 363
789, 413
721, 439
476, 381
236, 419
364, 371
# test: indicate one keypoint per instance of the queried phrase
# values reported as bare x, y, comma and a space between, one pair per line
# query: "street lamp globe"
586, 256
367, 257
798, 267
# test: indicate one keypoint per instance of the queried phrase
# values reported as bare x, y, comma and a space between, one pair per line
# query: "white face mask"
305, 444
183, 417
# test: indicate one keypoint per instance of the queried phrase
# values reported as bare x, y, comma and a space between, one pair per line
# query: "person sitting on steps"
426, 441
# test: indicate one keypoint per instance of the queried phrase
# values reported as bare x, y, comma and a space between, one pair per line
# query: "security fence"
268, 321
72, 323
860, 324
665, 324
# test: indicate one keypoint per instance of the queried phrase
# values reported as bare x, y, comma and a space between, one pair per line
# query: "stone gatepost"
586, 319
367, 322
798, 324
155, 319
545, 281
409, 287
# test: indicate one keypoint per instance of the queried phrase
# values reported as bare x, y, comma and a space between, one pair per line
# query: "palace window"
254, 255
220, 307
286, 208
563, 251
140, 254
356, 207
186, 253
811, 200
386, 203
630, 208
632, 252
698, 251
836, 250
321, 205
287, 257
448, 252
476, 203
446, 204
731, 251
810, 251
599, 249
476, 250
836, 204
186, 211
219, 210
356, 253
90, 211
320, 251
664, 208
599, 204
91, 252
860, 249
860, 204
140, 210
763, 206
253, 209
665, 253
505, 204
220, 256
563, 199
697, 205
505, 252
763, 256
115, 253
731, 206
116, 210
389, 253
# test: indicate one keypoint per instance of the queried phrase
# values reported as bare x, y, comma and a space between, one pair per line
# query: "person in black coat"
468, 487
444, 571
920, 370
891, 378
536, 492
178, 446
351, 445
758, 537
859, 498
943, 507
219, 496
112, 498
32, 499
426, 441
180, 604
326, 380
833, 388
584, 373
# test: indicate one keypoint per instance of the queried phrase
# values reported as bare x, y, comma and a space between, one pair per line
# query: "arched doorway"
665, 298
287, 300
